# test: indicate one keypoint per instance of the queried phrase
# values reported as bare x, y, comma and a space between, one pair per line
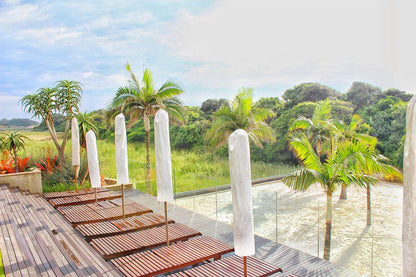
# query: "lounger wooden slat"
100, 211
83, 199
69, 193
117, 227
125, 244
172, 257
232, 267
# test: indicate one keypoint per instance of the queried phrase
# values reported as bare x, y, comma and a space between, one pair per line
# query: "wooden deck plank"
232, 267
34, 249
51, 195
172, 257
83, 199
125, 244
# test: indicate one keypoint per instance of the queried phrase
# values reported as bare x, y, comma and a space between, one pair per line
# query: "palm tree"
14, 141
349, 132
143, 100
64, 99
318, 128
241, 114
348, 163
86, 123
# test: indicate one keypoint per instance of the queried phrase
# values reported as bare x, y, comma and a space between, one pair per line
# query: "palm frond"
301, 180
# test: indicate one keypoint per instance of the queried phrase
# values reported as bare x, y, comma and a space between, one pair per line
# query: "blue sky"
212, 47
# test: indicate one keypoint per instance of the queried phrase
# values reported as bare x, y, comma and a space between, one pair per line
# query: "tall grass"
191, 170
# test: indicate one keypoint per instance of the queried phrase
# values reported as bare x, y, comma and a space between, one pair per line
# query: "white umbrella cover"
122, 163
163, 158
240, 175
75, 142
92, 157
409, 193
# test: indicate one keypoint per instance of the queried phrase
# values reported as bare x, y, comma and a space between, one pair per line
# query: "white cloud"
258, 43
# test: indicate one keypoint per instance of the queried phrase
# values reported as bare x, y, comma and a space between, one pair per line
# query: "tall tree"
63, 99
318, 129
14, 141
241, 114
348, 163
141, 100
349, 132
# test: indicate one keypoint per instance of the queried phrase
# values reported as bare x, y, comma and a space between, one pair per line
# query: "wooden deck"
69, 193
121, 226
100, 211
84, 198
231, 267
172, 257
121, 245
35, 240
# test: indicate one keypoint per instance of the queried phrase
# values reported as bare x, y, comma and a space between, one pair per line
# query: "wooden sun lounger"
172, 257
100, 211
125, 244
117, 227
83, 198
69, 193
231, 267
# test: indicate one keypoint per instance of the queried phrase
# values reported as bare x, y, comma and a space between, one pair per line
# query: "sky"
212, 48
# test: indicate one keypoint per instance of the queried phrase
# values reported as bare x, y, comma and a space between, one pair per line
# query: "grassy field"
1, 266
190, 170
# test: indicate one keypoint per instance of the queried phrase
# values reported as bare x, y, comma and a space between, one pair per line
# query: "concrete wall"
30, 180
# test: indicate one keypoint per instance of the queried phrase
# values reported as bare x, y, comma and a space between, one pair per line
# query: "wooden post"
166, 222
122, 201
245, 265
76, 176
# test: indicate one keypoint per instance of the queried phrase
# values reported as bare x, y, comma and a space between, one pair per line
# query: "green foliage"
240, 114
387, 121
17, 122
309, 92
210, 106
362, 95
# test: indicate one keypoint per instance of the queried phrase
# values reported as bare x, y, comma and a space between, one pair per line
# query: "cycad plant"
350, 162
14, 141
241, 114
141, 100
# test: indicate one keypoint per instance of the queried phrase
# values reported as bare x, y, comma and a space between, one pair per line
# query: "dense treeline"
383, 114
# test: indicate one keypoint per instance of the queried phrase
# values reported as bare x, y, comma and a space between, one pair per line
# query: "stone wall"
30, 180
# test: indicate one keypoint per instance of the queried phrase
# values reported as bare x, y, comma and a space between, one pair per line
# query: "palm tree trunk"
368, 205
15, 159
147, 131
343, 195
328, 226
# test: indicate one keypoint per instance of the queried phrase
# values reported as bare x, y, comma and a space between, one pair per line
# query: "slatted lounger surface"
125, 244
83, 198
172, 257
69, 193
120, 226
231, 267
100, 211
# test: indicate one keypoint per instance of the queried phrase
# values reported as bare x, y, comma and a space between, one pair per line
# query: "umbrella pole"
96, 198
122, 201
76, 176
166, 222
245, 265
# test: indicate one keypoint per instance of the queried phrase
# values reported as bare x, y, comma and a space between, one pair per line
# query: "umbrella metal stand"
76, 176
245, 265
166, 223
122, 201
96, 198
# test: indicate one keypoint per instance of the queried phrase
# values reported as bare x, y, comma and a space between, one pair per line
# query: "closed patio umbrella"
409, 193
163, 162
75, 148
122, 163
92, 158
240, 175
